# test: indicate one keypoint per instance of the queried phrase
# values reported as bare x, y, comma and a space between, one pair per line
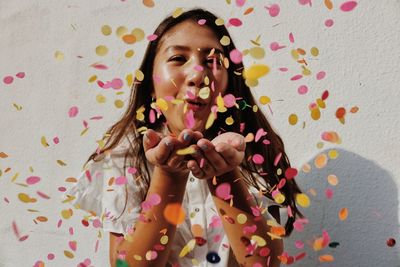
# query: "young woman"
175, 183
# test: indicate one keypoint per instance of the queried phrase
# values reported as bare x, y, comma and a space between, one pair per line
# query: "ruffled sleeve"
104, 190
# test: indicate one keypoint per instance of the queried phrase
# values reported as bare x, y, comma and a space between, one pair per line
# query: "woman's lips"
195, 106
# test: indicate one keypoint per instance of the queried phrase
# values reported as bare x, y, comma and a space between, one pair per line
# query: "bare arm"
241, 205
147, 234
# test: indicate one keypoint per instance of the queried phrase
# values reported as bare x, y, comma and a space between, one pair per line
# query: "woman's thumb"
150, 139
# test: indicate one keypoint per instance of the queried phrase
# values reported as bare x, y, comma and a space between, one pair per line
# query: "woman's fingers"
150, 139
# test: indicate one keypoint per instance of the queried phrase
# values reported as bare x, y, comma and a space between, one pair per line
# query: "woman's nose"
196, 77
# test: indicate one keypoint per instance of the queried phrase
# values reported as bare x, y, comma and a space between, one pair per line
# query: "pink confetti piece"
249, 229
96, 248
31, 180
223, 191
56, 140
291, 37
266, 142
236, 56
302, 90
296, 77
73, 111
71, 231
235, 22
62, 189
277, 158
273, 10
72, 245
23, 238
121, 180
59, 223
152, 116
258, 159
321, 75
201, 21
20, 75
229, 100
281, 183
198, 68
116, 83
290, 211
132, 170
154, 199
260, 133
8, 79
290, 173
85, 123
217, 238
152, 37
6, 200
42, 195
240, 3
15, 229
348, 6
97, 223
275, 46
305, 2
88, 175
189, 119
99, 66
329, 23
50, 256
215, 222
283, 69
96, 118
299, 244
329, 193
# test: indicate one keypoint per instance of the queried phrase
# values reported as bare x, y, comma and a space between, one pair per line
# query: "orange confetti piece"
354, 110
3, 155
148, 3
174, 213
321, 161
71, 180
248, 11
340, 112
326, 258
129, 38
42, 219
328, 4
343, 214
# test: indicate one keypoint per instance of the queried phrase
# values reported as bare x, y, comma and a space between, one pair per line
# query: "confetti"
223, 191
293, 119
333, 180
321, 161
326, 258
32, 180
274, 46
174, 213
73, 111
236, 56
8, 79
303, 200
101, 50
106, 30
258, 159
59, 55
187, 248
343, 214
148, 3
273, 10
225, 40
235, 22
329, 23
348, 6
256, 71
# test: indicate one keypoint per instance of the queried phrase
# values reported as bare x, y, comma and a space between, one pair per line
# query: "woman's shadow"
370, 195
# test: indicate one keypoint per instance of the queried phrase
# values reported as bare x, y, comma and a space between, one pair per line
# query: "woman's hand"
221, 155
161, 150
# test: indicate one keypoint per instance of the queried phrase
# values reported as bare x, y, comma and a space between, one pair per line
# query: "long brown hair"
130, 124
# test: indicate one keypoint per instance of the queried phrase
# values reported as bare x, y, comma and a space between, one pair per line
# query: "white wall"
360, 55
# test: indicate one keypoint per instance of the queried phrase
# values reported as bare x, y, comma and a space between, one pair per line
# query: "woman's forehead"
189, 35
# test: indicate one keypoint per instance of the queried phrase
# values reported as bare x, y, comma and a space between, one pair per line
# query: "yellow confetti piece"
187, 248
210, 120
17, 107
138, 33
61, 163
101, 98
257, 52
249, 138
106, 30
259, 240
177, 12
220, 103
67, 213
315, 114
293, 119
71, 180
320, 161
229, 120
241, 218
279, 198
119, 103
25, 198
15, 177
343, 214
321, 103
306, 72
303, 200
137, 257
43, 141
101, 50
139, 75
333, 154
295, 54
333, 180
162, 104
121, 31
129, 53
219, 22
264, 100
255, 72
164, 240
59, 55
320, 145
255, 108
92, 79
129, 79
326, 258
204, 92
68, 254
314, 51
225, 40
186, 151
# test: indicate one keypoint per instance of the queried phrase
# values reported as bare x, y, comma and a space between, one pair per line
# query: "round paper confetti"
320, 161
106, 30
225, 40
303, 200
333, 180
8, 79
174, 213
348, 6
292, 119
101, 50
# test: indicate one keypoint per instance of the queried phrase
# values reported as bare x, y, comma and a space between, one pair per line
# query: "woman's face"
188, 59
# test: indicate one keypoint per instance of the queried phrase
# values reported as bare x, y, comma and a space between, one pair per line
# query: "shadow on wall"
371, 196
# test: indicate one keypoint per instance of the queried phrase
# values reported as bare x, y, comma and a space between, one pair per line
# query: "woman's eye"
177, 59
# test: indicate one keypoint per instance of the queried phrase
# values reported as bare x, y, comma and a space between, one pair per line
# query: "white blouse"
95, 193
